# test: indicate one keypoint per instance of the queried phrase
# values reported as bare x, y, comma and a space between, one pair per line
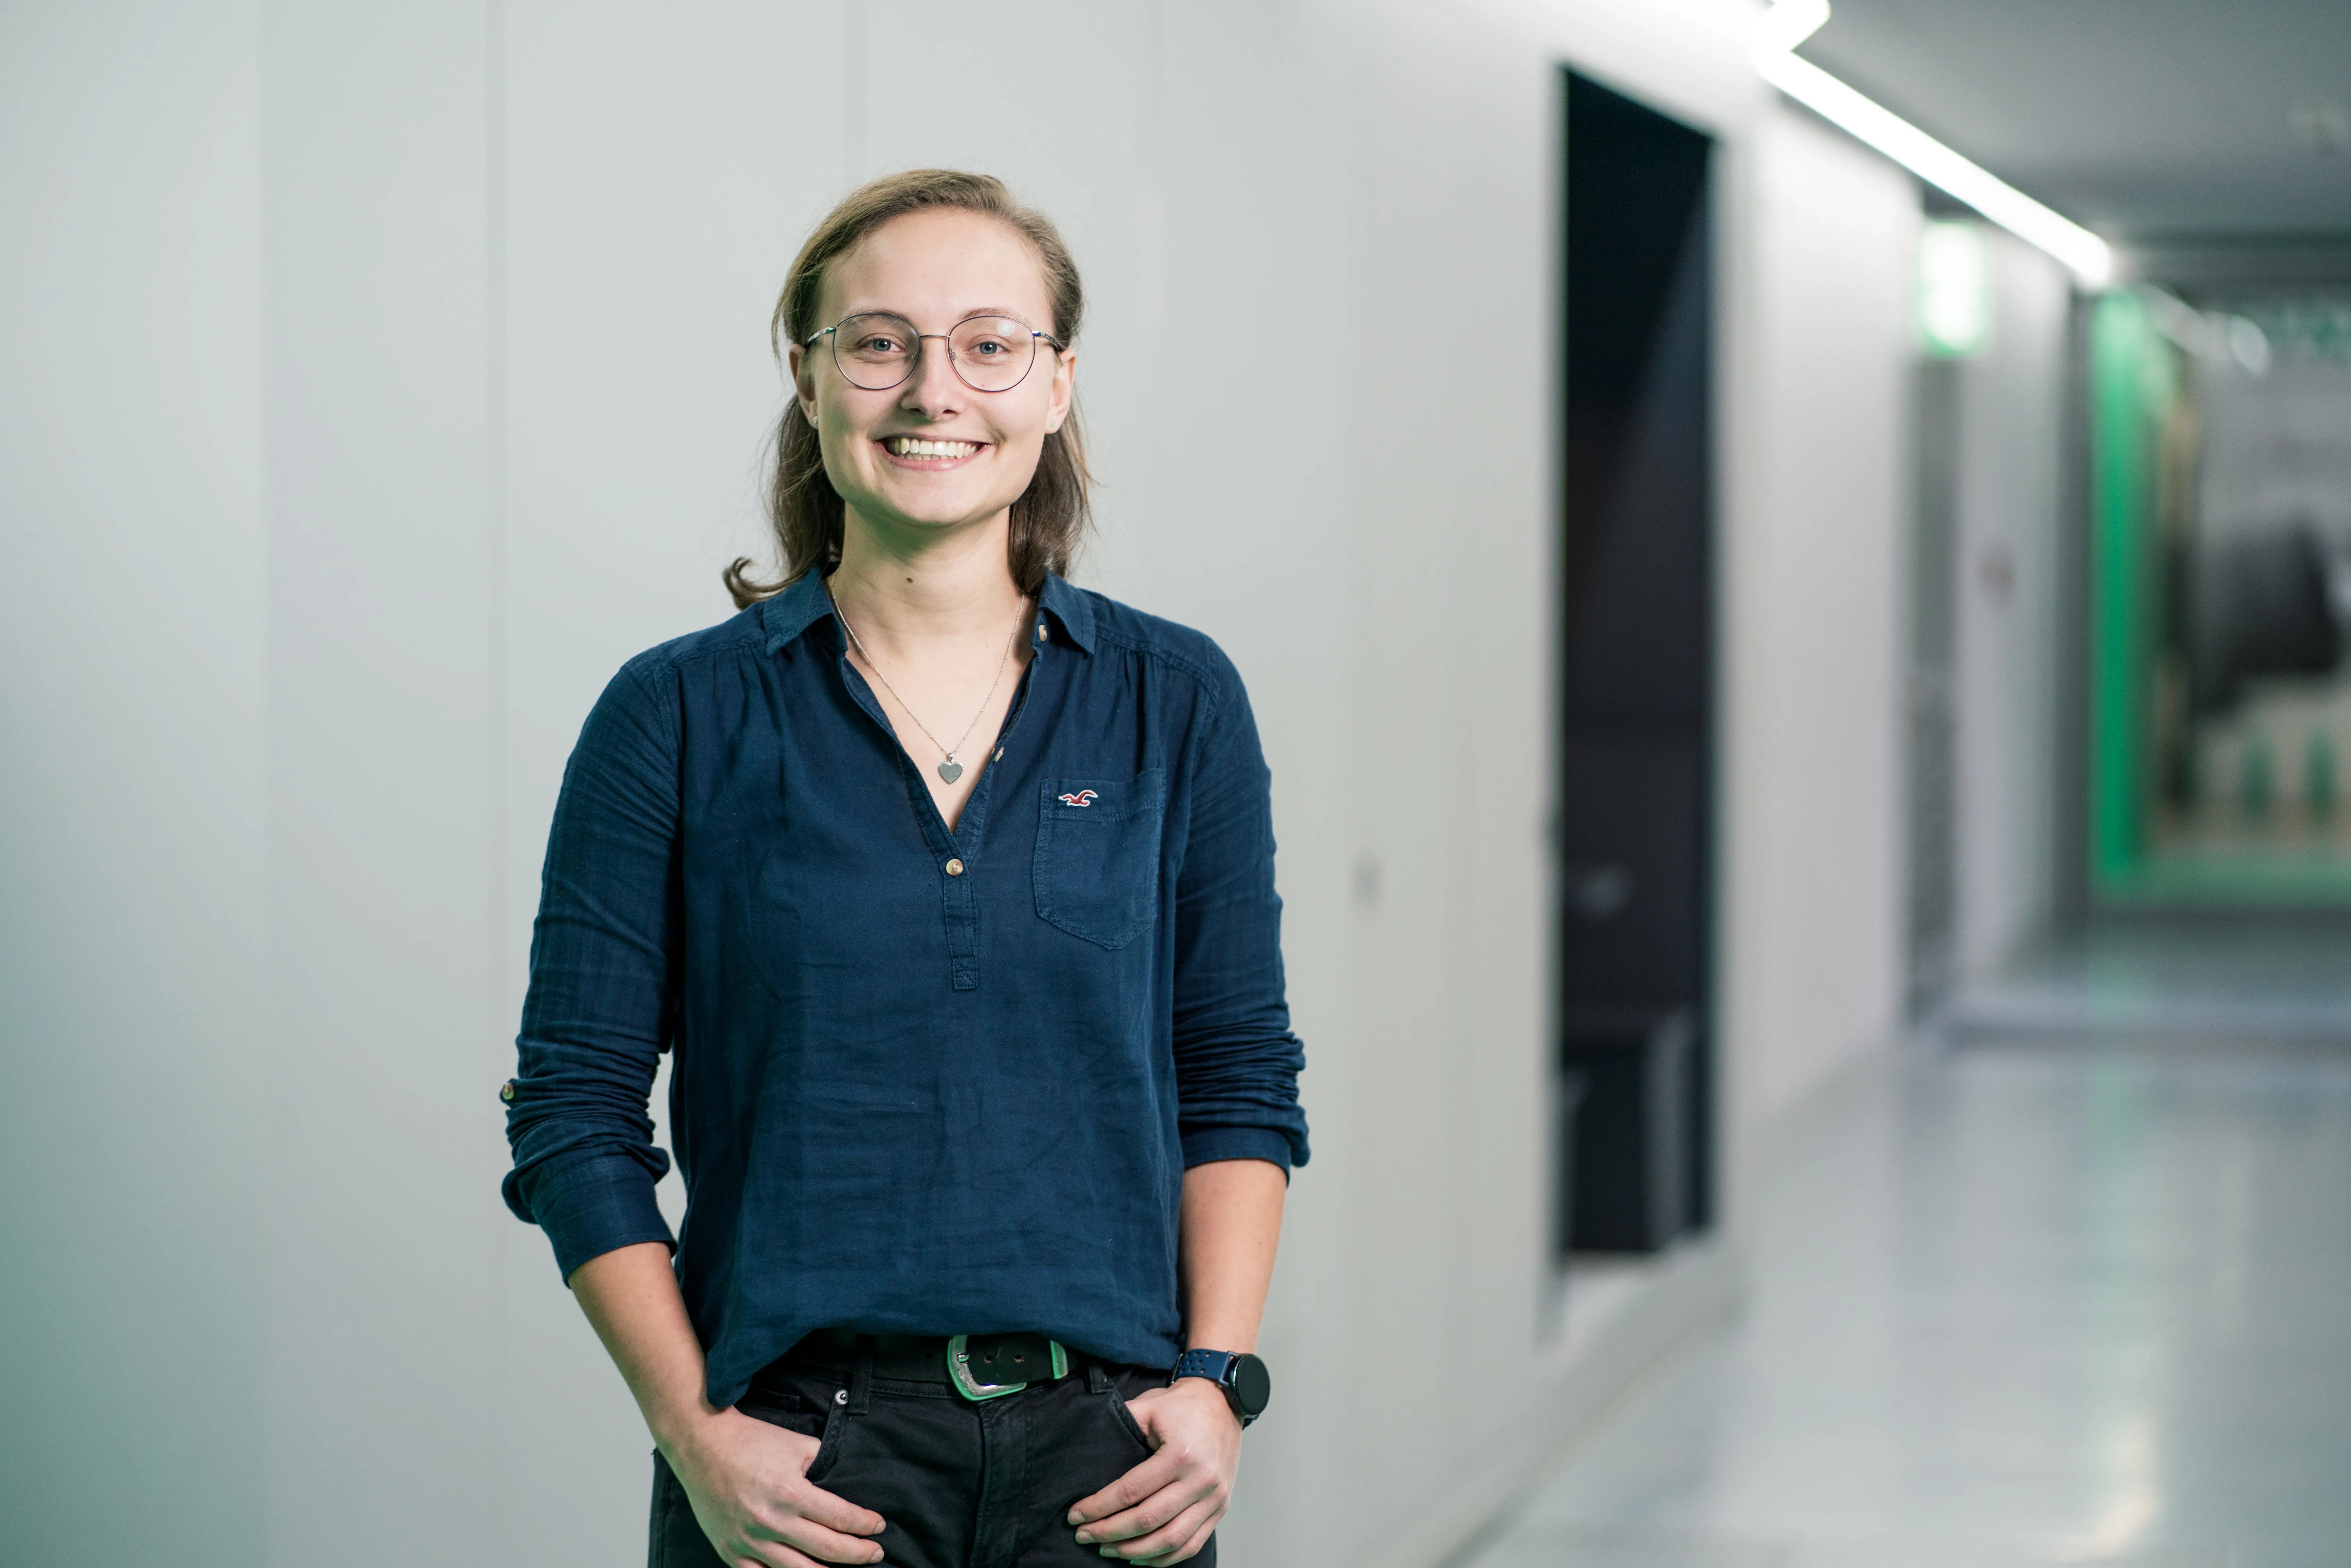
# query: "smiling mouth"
927, 453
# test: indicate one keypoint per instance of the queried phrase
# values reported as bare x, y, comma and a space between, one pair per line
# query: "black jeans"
961, 1485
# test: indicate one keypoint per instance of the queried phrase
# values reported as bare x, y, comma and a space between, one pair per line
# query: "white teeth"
913, 446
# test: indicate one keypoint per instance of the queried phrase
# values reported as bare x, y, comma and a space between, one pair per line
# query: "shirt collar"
805, 602
1071, 608
799, 606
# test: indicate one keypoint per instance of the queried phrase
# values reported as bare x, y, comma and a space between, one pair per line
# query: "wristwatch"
1243, 1377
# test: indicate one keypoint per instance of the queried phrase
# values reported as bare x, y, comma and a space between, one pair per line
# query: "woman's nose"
934, 390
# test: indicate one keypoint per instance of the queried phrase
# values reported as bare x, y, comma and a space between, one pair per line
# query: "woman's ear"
1065, 389
803, 373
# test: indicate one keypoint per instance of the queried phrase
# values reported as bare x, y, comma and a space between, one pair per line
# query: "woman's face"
976, 450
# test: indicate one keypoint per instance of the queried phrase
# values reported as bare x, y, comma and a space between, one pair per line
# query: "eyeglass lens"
878, 351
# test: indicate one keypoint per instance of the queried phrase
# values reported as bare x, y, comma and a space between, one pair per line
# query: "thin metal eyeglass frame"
947, 337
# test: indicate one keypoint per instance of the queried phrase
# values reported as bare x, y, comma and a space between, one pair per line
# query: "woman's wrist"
1232, 1341
679, 1426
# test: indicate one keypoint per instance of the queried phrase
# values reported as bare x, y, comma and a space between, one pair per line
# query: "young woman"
951, 888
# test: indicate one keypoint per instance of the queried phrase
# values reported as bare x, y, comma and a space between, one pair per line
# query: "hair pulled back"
803, 508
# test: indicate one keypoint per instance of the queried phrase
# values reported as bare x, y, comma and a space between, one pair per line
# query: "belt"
978, 1367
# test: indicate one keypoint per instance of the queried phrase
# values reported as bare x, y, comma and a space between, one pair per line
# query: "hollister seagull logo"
1082, 797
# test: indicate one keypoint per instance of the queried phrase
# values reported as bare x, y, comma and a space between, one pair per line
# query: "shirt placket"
956, 855
963, 921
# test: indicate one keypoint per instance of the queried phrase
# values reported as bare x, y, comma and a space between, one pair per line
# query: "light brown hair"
1051, 515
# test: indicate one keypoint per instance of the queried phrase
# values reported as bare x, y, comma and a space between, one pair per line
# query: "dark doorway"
1637, 700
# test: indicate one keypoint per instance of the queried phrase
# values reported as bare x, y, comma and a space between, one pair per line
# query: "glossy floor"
2013, 1305
2212, 981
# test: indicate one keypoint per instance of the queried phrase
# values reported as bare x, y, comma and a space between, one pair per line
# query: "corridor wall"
2010, 610
133, 872
1816, 547
380, 380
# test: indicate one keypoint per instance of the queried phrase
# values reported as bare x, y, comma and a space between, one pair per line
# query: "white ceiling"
2140, 118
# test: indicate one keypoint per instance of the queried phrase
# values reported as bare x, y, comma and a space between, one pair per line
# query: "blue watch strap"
1215, 1365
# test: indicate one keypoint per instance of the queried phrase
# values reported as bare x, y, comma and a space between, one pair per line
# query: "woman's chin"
931, 514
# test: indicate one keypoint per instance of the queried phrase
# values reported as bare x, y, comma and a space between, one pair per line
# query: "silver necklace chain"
950, 770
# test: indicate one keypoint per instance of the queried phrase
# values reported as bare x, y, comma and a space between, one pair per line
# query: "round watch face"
1252, 1384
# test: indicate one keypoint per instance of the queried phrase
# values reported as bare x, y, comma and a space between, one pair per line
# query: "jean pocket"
1128, 1423
828, 1447
812, 1415
1098, 847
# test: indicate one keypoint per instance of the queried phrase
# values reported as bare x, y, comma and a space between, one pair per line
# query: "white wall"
505, 267
133, 1004
2010, 494
1816, 516
382, 764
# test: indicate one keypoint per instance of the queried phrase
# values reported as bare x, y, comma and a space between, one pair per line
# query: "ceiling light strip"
1790, 22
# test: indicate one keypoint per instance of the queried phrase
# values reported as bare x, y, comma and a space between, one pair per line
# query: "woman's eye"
990, 348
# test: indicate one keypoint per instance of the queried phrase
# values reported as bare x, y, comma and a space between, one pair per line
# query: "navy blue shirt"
923, 1082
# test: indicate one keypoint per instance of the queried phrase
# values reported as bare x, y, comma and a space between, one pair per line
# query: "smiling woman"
1050, 515
983, 1083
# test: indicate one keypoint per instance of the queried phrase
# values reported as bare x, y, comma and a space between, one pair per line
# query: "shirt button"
955, 868
506, 1091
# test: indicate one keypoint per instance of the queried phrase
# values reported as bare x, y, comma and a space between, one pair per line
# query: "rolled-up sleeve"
599, 1008
1237, 1062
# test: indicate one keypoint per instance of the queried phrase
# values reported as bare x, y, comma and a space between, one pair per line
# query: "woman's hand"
747, 1481
1163, 1510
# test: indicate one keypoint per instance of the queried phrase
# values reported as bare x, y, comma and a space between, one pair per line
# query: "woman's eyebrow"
964, 315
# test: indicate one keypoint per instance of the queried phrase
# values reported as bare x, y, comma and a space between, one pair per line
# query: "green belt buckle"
971, 1389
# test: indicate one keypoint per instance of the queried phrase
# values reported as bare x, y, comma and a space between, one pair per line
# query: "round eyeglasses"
877, 350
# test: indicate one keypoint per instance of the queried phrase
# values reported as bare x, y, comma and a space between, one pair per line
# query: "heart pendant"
950, 770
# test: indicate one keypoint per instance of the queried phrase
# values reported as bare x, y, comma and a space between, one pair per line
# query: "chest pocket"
1098, 855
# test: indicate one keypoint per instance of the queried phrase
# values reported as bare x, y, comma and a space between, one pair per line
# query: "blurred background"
1810, 732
